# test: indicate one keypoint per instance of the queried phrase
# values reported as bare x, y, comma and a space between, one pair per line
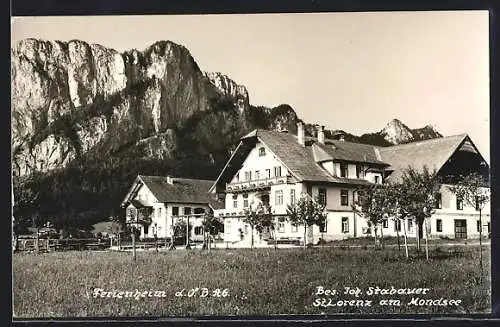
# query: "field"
245, 282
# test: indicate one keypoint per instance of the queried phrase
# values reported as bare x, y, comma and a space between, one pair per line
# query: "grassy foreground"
256, 282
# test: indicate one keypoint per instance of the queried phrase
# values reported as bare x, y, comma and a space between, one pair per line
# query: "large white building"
277, 167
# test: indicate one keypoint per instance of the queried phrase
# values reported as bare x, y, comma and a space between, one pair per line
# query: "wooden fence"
31, 244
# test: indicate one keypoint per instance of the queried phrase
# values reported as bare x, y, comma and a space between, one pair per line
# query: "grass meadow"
257, 282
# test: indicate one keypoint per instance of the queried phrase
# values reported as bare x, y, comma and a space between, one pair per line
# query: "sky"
349, 71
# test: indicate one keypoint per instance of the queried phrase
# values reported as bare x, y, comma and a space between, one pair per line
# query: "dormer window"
343, 170
262, 151
359, 171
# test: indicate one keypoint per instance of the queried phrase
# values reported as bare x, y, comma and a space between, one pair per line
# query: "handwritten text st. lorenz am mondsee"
371, 296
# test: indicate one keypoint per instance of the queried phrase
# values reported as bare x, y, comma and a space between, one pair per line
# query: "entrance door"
460, 228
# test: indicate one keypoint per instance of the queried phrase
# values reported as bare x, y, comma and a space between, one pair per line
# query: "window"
343, 170
262, 152
246, 229
278, 197
245, 200
281, 227
187, 211
248, 175
439, 225
228, 226
268, 173
292, 196
460, 204
277, 171
377, 179
295, 228
345, 225
309, 190
323, 227
344, 197
478, 226
130, 213
198, 230
257, 174
175, 211
439, 201
235, 201
385, 223
397, 225
410, 225
359, 171
158, 212
322, 196
146, 230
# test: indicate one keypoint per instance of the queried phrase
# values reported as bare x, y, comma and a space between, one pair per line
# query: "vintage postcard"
251, 164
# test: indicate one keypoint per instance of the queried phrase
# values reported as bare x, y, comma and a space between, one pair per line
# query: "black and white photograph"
251, 165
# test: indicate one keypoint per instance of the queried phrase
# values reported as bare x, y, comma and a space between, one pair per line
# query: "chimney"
300, 133
170, 180
321, 134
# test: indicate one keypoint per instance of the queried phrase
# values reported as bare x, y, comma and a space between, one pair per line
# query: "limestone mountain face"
396, 132
71, 97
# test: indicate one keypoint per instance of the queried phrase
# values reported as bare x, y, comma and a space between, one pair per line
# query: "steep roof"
432, 153
182, 190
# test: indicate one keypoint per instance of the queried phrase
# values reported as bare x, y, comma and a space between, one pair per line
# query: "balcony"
257, 184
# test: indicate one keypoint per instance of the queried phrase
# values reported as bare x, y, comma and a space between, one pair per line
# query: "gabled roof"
432, 153
180, 190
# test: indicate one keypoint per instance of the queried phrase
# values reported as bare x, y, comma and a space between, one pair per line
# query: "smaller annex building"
155, 204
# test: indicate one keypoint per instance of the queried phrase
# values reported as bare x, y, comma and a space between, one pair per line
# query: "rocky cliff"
68, 98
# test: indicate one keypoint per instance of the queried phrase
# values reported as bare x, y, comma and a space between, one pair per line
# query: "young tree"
473, 189
212, 226
376, 204
307, 212
400, 192
259, 217
421, 188
117, 226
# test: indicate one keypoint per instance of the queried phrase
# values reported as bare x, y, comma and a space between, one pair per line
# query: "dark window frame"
344, 197
345, 225
322, 195
344, 173
262, 151
439, 201
439, 225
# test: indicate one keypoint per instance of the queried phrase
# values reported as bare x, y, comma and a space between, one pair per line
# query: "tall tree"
307, 211
473, 190
376, 204
421, 190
